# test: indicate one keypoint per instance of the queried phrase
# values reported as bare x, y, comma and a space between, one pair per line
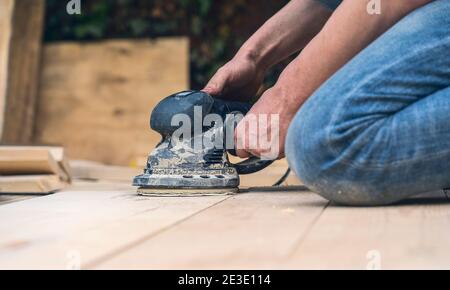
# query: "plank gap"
303, 237
94, 263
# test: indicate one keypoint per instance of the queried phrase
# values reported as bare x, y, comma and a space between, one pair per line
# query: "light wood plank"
76, 228
253, 230
414, 234
31, 184
17, 160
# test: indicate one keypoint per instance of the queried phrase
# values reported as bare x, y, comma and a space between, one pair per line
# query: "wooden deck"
105, 225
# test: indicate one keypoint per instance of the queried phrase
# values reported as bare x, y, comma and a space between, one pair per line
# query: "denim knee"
345, 144
323, 168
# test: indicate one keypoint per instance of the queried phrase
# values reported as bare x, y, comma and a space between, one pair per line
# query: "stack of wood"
33, 170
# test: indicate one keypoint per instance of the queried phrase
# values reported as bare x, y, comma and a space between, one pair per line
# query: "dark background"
216, 28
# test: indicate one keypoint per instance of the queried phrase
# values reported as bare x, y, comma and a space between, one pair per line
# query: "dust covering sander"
185, 166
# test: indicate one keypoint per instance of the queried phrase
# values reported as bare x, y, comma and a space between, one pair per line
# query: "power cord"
283, 178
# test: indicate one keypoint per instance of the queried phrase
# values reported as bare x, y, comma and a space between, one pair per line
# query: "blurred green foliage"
216, 28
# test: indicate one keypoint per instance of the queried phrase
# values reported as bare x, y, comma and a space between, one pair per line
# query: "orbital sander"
192, 157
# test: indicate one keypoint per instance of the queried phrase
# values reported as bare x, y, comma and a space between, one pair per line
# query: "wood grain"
106, 226
22, 44
253, 230
411, 235
6, 14
72, 229
96, 99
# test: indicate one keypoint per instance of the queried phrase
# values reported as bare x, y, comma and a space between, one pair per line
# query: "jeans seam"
355, 164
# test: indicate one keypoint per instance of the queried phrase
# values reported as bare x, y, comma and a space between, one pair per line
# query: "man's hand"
239, 80
285, 33
348, 31
263, 130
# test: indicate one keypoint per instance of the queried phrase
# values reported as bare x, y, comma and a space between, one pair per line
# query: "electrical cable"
283, 178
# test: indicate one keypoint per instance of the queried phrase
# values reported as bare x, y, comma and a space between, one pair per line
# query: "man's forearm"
348, 31
286, 32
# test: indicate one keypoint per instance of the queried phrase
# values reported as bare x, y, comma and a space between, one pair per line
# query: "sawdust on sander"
186, 192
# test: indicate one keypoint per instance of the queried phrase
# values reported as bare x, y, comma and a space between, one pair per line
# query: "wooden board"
96, 99
21, 28
31, 184
411, 235
15, 160
106, 225
73, 229
254, 230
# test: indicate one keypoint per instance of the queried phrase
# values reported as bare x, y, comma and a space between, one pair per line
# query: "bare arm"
349, 30
286, 32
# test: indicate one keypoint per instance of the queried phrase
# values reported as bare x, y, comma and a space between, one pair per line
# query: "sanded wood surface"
20, 55
75, 228
413, 234
251, 230
96, 99
105, 225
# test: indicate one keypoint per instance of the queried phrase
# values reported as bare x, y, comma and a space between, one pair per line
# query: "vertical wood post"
21, 26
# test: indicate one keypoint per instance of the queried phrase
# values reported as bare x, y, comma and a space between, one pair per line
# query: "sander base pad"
185, 192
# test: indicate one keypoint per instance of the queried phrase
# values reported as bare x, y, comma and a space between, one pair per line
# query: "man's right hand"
238, 80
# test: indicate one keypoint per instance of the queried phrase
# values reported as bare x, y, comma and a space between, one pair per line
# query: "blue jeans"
378, 131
